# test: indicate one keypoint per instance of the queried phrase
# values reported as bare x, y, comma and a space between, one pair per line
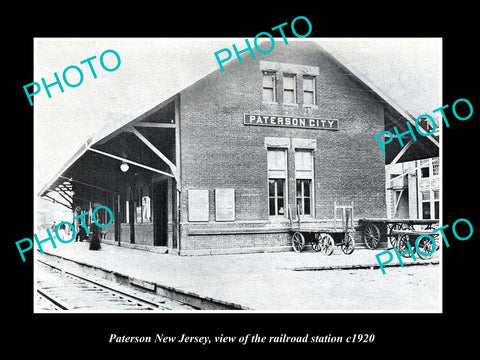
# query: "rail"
66, 290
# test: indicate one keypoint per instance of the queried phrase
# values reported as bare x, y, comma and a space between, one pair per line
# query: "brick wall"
108, 232
218, 150
124, 233
143, 233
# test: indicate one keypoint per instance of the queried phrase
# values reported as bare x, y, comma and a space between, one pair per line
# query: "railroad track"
58, 289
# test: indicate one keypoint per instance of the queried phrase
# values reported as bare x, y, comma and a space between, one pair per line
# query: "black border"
88, 333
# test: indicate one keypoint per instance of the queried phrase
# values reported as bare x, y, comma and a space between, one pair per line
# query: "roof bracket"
401, 152
152, 147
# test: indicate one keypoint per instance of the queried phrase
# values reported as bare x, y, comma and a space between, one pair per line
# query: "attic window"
289, 89
308, 90
269, 84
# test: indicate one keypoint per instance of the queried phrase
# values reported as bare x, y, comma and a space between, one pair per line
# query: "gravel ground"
269, 282
413, 288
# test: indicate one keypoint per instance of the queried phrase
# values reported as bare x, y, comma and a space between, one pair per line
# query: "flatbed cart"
424, 248
321, 237
376, 230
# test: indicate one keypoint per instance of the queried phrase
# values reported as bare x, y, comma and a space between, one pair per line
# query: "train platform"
279, 281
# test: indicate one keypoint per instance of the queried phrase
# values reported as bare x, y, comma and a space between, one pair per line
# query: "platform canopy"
137, 147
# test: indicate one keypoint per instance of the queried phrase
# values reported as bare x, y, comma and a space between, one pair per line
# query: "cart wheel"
348, 245
316, 243
393, 239
327, 243
372, 236
425, 246
402, 246
298, 242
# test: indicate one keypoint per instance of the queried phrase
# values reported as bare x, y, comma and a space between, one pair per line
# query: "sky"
407, 71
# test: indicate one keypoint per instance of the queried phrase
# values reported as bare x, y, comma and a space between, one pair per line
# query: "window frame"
425, 172
429, 171
273, 75
302, 196
306, 175
426, 202
294, 76
436, 204
313, 91
276, 213
278, 174
435, 167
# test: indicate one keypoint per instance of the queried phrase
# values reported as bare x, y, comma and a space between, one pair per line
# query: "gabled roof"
424, 147
395, 116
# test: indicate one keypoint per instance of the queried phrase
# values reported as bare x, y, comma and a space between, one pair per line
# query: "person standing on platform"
94, 237
52, 228
81, 234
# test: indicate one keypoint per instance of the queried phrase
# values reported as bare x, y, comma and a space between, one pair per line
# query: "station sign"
290, 121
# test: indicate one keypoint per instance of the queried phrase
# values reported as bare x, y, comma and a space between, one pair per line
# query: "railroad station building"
224, 164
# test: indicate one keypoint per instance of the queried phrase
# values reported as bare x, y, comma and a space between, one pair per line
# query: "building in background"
49, 211
413, 191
